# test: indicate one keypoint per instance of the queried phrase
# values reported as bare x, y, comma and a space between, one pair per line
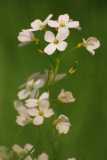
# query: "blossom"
64, 21
39, 108
39, 25
62, 124
66, 96
26, 36
55, 42
91, 44
22, 151
30, 88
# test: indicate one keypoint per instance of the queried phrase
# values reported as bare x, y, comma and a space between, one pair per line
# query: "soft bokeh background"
88, 140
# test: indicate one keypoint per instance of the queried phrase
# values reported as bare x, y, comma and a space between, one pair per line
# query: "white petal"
44, 105
50, 49
48, 113
49, 36
47, 19
91, 50
53, 24
23, 94
31, 102
28, 147
62, 34
43, 156
62, 46
38, 120
39, 83
44, 96
25, 36
73, 24
64, 18
33, 112
93, 42
21, 110
36, 25
21, 120
63, 127
17, 149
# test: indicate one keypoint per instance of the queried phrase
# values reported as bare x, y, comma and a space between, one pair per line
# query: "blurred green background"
88, 139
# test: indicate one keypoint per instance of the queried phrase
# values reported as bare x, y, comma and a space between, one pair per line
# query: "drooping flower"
26, 36
55, 42
91, 44
64, 21
62, 124
39, 25
66, 96
23, 151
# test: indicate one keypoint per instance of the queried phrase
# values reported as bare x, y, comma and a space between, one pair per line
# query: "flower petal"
43, 156
62, 34
50, 49
62, 46
74, 24
38, 120
49, 36
93, 42
23, 94
33, 112
53, 24
44, 105
48, 113
44, 96
64, 18
22, 120
31, 102
36, 25
45, 22
25, 36
91, 50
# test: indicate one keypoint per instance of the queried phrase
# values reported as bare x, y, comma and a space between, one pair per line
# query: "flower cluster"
35, 103
56, 33
34, 107
27, 152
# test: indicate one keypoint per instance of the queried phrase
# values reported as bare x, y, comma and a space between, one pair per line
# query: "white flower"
66, 96
55, 42
26, 36
39, 25
42, 156
39, 108
62, 124
22, 120
21, 151
34, 102
91, 44
64, 21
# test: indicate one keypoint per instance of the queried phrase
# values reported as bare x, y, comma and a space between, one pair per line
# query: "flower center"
56, 41
62, 24
41, 113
